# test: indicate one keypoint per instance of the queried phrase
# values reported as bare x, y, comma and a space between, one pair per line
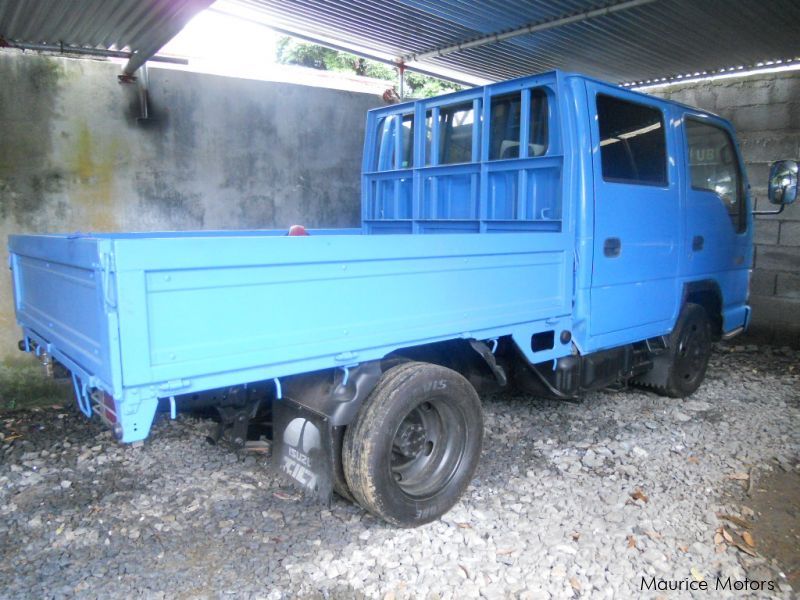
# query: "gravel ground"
571, 500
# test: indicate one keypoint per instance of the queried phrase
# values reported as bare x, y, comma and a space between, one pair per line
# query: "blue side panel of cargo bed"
62, 287
200, 313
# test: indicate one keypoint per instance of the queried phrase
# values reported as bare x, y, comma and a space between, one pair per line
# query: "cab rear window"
456, 131
395, 143
505, 125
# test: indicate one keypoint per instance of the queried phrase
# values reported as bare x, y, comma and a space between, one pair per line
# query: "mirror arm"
769, 212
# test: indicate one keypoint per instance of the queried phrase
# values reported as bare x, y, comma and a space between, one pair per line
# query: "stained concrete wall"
765, 110
218, 153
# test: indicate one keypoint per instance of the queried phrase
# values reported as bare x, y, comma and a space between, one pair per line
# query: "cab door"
718, 246
637, 222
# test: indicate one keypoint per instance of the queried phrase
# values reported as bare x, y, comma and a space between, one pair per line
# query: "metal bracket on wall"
143, 81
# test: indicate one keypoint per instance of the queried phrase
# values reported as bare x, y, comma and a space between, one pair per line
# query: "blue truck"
554, 233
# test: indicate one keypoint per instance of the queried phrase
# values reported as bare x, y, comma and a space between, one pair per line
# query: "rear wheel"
415, 444
339, 482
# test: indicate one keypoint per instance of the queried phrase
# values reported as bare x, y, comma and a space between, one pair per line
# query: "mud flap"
303, 448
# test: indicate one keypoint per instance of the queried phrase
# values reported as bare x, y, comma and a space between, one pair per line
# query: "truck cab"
650, 196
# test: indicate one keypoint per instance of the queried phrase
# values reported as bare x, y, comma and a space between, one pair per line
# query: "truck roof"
565, 75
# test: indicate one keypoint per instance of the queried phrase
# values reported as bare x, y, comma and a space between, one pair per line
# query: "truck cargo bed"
148, 316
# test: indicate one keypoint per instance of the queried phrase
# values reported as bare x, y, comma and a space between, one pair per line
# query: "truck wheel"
415, 444
690, 347
339, 482
680, 371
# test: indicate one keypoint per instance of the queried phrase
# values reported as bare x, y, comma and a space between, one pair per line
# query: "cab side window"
633, 146
714, 167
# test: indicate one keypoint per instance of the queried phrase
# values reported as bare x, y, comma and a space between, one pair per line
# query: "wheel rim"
692, 352
427, 448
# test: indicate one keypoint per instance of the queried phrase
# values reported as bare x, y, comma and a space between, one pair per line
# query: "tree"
292, 52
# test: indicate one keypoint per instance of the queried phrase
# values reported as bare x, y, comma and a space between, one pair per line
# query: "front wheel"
415, 444
691, 353
681, 369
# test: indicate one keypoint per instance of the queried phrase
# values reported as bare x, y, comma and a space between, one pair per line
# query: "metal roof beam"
80, 50
525, 29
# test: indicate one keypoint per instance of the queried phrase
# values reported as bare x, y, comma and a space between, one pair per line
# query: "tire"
680, 371
414, 445
339, 482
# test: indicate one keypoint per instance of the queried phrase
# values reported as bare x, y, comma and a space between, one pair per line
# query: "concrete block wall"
765, 110
218, 153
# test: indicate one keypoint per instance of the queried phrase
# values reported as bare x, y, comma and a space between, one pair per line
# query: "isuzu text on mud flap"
553, 233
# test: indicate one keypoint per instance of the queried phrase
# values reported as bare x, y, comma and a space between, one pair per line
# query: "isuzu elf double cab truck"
554, 233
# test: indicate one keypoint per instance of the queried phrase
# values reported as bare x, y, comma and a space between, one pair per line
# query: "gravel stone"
696, 405
549, 514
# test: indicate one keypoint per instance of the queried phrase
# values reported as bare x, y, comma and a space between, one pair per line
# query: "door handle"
697, 243
612, 247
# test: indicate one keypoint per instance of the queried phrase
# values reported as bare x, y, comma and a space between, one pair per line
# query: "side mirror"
783, 182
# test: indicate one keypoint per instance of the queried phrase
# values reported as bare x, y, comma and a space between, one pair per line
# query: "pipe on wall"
100, 52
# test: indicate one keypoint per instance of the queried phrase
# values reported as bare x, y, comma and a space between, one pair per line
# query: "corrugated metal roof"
140, 27
644, 42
